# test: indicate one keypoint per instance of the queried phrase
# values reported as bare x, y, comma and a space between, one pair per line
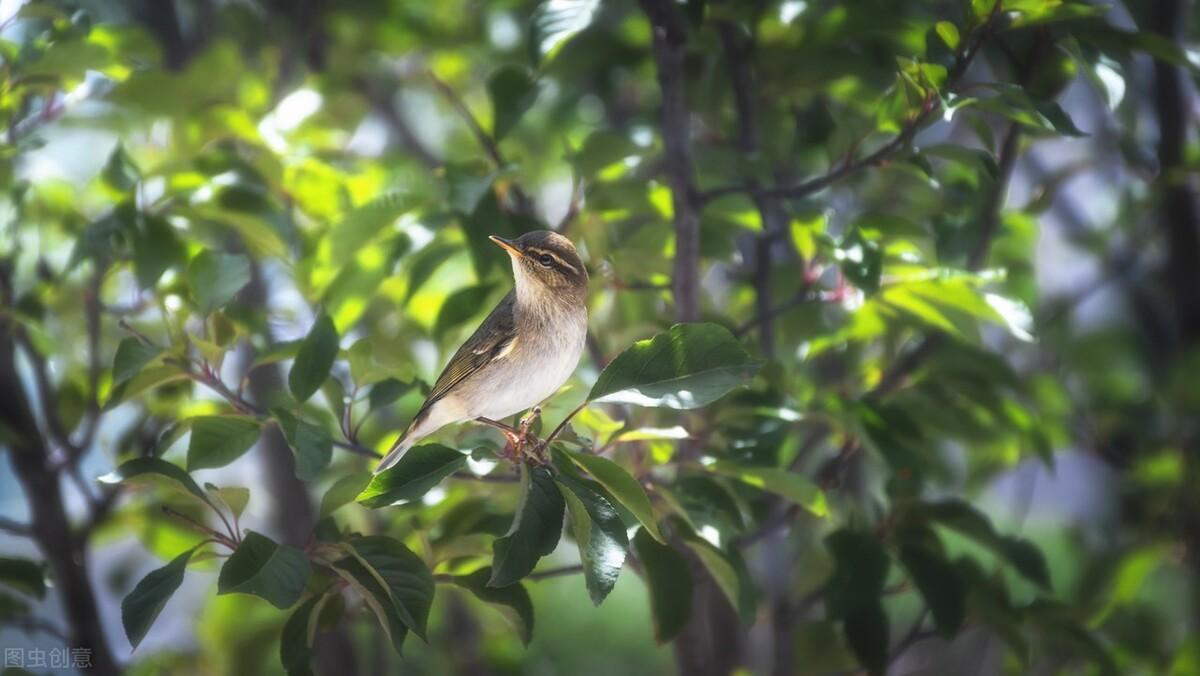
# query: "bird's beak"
506, 244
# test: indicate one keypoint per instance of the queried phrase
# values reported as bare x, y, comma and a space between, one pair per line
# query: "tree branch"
669, 48
489, 145
932, 105
385, 107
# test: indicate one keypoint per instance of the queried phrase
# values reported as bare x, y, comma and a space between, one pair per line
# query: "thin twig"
532, 577
562, 425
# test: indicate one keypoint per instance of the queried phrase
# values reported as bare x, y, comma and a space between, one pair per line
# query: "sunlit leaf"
689, 366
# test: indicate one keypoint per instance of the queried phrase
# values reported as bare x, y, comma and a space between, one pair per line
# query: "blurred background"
963, 236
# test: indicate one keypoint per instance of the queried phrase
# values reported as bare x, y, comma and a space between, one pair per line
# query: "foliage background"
962, 235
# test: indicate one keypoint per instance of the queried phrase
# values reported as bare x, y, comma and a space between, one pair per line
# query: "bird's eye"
545, 259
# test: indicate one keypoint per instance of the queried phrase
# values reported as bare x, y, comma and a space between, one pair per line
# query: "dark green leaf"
23, 575
860, 568
405, 576
418, 470
512, 91
215, 278
620, 485
264, 568
314, 359
1026, 559
598, 531
867, 635
513, 601
535, 531
141, 606
670, 584
689, 366
459, 307
295, 642
218, 440
940, 584
377, 597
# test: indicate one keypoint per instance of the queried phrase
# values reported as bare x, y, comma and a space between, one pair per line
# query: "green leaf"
141, 606
689, 366
512, 601
343, 491
598, 531
620, 485
147, 379
723, 572
670, 584
156, 247
132, 355
234, 497
403, 574
218, 440
361, 225
311, 442
466, 186
1022, 554
23, 575
215, 278
314, 359
860, 569
793, 486
948, 32
1026, 559
418, 470
512, 92
141, 469
459, 307
535, 531
387, 391
296, 639
264, 568
120, 172
867, 635
940, 584
377, 597
554, 23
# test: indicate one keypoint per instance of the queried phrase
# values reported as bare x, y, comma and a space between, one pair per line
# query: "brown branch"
669, 47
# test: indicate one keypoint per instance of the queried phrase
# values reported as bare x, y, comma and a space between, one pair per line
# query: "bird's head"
545, 261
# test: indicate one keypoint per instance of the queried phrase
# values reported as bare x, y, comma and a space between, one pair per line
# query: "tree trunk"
51, 528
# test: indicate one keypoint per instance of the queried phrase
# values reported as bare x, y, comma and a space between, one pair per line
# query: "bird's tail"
403, 443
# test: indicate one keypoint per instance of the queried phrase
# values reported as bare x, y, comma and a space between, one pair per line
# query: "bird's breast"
541, 359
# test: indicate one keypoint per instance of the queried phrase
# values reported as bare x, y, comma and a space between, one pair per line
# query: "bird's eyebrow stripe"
538, 252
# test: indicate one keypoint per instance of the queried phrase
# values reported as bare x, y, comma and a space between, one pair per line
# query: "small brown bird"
522, 353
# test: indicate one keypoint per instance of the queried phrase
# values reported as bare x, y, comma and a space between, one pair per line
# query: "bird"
523, 351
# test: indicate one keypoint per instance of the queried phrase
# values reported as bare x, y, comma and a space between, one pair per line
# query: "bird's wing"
494, 339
